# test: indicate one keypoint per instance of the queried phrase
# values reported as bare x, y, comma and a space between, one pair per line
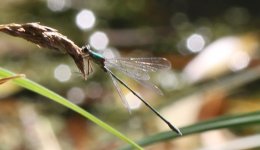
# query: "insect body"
136, 68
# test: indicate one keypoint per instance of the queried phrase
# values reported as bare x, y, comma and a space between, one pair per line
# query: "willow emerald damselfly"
136, 68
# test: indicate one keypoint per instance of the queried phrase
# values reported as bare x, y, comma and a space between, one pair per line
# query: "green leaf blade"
220, 122
35, 87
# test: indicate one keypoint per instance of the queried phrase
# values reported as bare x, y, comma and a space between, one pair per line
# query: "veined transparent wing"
138, 68
150, 86
120, 93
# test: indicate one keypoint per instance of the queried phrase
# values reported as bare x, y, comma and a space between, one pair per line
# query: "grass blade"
221, 122
3, 80
33, 86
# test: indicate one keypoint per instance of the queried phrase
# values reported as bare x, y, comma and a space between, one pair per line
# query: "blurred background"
213, 47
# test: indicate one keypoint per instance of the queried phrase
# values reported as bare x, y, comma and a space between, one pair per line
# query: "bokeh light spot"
195, 43
99, 40
239, 61
76, 95
62, 73
85, 19
58, 5
110, 52
169, 81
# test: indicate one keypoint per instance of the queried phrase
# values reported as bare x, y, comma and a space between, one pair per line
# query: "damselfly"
136, 68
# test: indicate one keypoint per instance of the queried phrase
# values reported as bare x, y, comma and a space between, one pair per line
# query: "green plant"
35, 87
220, 122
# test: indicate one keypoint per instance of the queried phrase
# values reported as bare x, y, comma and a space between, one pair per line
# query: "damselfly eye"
86, 48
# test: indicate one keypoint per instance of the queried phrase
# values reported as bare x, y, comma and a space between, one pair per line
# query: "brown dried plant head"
46, 37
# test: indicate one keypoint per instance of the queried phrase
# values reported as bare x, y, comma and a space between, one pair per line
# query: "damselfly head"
86, 48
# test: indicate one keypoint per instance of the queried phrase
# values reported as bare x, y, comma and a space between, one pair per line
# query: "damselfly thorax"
89, 55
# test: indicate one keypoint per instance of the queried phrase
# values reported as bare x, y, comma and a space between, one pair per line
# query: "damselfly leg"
88, 67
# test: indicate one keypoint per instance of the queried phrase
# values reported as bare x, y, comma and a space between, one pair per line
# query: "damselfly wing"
120, 93
139, 69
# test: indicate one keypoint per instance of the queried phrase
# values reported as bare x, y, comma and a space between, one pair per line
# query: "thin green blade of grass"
220, 122
35, 87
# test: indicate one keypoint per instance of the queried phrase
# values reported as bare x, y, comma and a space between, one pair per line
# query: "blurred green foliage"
135, 28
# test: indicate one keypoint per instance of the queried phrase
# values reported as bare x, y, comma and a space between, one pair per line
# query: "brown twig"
46, 37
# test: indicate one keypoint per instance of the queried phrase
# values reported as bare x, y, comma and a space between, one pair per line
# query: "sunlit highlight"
110, 53
85, 19
169, 81
213, 60
99, 40
195, 43
133, 101
239, 61
62, 73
